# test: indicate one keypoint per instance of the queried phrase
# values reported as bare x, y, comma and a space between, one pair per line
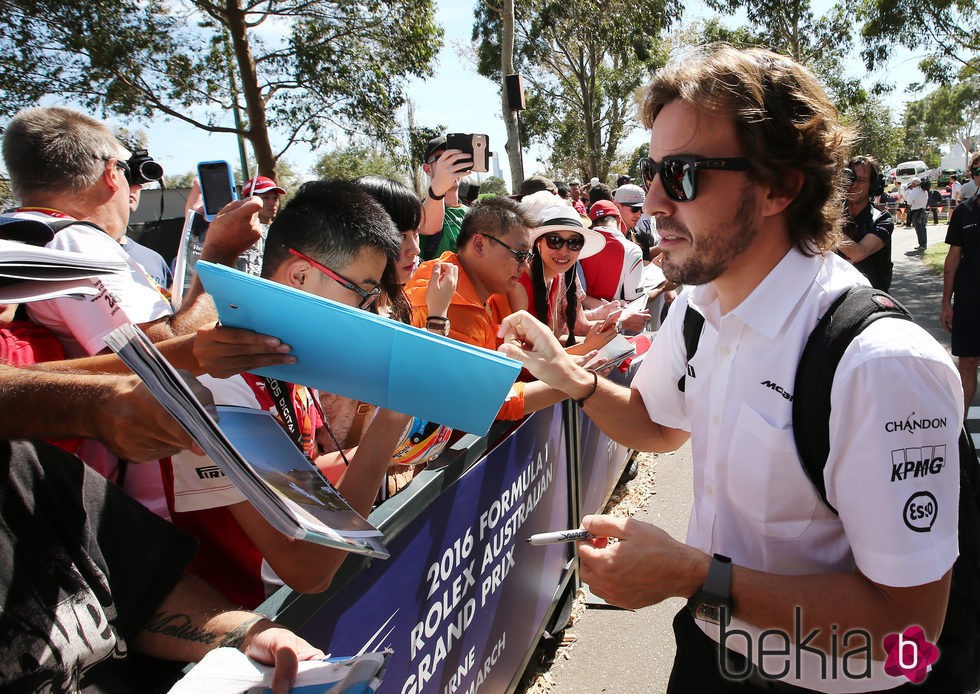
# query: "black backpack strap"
851, 312
59, 224
37, 232
693, 327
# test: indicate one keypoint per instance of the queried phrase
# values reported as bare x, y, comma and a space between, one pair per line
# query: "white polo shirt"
897, 398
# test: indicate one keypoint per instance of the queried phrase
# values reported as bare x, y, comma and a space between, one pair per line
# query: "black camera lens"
143, 169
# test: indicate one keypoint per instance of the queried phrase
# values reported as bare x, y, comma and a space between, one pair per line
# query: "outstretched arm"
208, 621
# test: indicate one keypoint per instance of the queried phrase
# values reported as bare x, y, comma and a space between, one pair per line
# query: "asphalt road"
623, 651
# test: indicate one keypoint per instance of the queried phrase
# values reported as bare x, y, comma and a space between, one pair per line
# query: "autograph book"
256, 454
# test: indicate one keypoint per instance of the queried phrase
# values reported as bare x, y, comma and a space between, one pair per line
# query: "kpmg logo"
779, 389
910, 424
915, 463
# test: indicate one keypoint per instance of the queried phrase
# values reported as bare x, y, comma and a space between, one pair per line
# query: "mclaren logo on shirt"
779, 389
915, 463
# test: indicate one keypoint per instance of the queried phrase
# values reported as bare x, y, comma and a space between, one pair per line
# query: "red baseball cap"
260, 185
603, 208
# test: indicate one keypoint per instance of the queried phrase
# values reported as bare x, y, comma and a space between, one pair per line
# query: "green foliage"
184, 180
357, 160
303, 67
948, 113
948, 31
876, 134
582, 63
493, 185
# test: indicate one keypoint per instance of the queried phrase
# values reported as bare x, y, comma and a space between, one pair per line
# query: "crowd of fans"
450, 264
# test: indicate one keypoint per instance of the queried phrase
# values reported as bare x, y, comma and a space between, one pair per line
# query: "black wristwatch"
713, 603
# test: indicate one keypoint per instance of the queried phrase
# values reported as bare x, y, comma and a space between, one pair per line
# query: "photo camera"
143, 169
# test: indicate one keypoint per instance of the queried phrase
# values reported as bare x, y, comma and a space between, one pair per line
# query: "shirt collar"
770, 305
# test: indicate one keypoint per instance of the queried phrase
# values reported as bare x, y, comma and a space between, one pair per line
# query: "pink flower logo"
909, 654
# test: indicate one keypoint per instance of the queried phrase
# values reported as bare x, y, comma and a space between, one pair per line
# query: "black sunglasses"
519, 256
679, 175
975, 171
555, 242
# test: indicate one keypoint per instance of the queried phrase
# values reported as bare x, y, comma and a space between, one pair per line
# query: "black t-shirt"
964, 231
84, 567
877, 267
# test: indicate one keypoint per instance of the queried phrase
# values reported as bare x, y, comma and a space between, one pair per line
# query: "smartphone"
217, 186
476, 145
615, 352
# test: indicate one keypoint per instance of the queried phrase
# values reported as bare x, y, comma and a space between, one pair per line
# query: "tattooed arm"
194, 619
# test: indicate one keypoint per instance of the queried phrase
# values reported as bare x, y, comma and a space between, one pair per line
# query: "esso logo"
920, 512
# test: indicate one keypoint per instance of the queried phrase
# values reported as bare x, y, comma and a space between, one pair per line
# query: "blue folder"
359, 355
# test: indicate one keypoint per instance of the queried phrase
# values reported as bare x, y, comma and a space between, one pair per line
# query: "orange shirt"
470, 321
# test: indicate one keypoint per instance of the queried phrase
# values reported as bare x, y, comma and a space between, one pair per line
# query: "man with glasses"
743, 178
868, 230
494, 251
629, 201
65, 166
960, 313
332, 240
53, 181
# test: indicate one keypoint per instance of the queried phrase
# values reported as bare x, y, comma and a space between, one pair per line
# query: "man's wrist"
581, 385
433, 196
240, 636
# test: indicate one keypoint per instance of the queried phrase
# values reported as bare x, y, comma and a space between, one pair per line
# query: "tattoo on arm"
235, 637
179, 626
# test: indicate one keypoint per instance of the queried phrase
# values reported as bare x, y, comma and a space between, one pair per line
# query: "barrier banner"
603, 460
463, 597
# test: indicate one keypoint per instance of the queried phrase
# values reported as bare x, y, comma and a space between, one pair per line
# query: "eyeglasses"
520, 256
635, 208
367, 298
975, 171
679, 175
555, 242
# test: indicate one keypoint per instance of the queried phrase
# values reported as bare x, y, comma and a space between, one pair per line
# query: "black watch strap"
719, 579
713, 602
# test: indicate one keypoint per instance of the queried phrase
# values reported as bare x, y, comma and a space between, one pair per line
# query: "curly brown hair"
784, 121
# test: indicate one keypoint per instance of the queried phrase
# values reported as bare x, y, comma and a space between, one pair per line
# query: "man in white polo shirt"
783, 594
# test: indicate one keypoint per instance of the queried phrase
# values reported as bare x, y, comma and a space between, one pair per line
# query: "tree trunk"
515, 157
257, 130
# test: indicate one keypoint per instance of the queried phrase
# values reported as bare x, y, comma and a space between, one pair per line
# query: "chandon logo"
913, 424
779, 389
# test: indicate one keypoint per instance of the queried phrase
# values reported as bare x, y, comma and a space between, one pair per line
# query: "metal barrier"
464, 600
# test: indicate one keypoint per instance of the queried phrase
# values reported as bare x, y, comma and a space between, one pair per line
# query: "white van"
908, 170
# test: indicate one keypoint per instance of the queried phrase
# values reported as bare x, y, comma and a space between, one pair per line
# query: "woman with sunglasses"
552, 288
